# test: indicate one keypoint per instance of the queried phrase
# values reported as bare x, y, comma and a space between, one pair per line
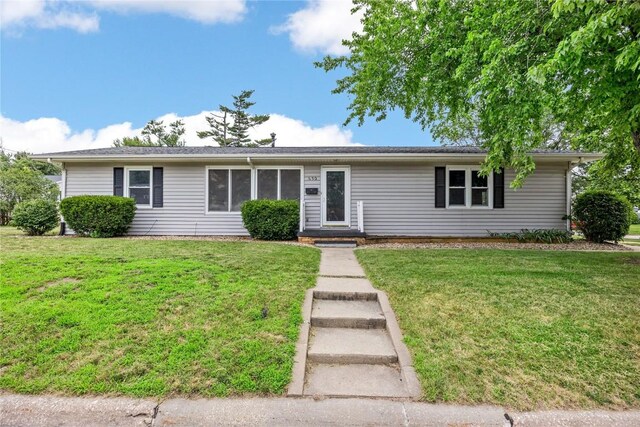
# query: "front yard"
526, 329
149, 317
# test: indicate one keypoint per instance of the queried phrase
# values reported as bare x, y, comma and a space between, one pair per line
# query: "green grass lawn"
634, 229
525, 329
149, 317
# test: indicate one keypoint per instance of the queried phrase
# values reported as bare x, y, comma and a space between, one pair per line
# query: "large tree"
508, 75
156, 134
230, 128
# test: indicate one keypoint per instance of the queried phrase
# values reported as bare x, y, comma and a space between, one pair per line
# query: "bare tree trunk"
224, 120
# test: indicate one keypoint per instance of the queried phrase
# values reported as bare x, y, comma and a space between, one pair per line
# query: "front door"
336, 195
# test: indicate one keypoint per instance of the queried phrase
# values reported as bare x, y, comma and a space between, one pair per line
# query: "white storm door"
336, 195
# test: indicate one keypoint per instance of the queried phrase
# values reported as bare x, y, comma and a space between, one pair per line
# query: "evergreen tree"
231, 127
155, 134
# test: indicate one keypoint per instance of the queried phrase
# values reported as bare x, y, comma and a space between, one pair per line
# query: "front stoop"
350, 344
332, 237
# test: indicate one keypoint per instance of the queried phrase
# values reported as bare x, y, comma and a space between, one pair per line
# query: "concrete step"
354, 380
346, 288
347, 314
345, 295
347, 345
335, 243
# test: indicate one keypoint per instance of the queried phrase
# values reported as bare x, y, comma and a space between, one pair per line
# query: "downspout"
254, 179
63, 194
568, 188
63, 190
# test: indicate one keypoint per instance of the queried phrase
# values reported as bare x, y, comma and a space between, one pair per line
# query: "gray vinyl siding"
398, 201
183, 212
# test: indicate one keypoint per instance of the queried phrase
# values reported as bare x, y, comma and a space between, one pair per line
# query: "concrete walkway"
350, 344
45, 411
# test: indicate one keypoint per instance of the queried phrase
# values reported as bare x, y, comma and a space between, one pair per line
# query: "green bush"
271, 219
602, 215
537, 236
98, 216
36, 217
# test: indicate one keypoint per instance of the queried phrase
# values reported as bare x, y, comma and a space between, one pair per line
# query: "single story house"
343, 191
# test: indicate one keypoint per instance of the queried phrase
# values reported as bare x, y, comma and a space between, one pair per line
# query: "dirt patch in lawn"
63, 281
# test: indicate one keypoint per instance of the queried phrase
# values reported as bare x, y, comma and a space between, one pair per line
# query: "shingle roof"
245, 151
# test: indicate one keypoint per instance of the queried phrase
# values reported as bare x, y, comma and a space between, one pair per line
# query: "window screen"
457, 187
140, 186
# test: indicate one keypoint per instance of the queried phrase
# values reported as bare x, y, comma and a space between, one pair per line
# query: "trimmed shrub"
271, 219
98, 216
602, 215
537, 236
36, 217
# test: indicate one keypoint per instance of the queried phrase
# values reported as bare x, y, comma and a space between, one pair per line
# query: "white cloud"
204, 11
51, 134
15, 15
321, 26
82, 16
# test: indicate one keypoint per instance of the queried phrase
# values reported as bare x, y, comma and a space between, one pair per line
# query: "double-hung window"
227, 189
479, 189
139, 184
466, 188
278, 184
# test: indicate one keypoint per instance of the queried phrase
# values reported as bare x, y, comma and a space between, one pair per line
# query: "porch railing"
360, 211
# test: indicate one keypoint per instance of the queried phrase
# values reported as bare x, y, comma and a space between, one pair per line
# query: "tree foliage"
231, 127
22, 157
156, 134
22, 179
509, 75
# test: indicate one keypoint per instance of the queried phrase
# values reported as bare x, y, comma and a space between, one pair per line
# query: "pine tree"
231, 127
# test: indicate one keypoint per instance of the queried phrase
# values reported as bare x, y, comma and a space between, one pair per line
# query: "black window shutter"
498, 189
118, 181
441, 182
157, 187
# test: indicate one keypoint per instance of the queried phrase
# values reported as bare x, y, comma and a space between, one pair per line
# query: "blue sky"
77, 75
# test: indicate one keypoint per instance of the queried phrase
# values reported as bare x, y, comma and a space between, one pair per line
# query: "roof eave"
573, 157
